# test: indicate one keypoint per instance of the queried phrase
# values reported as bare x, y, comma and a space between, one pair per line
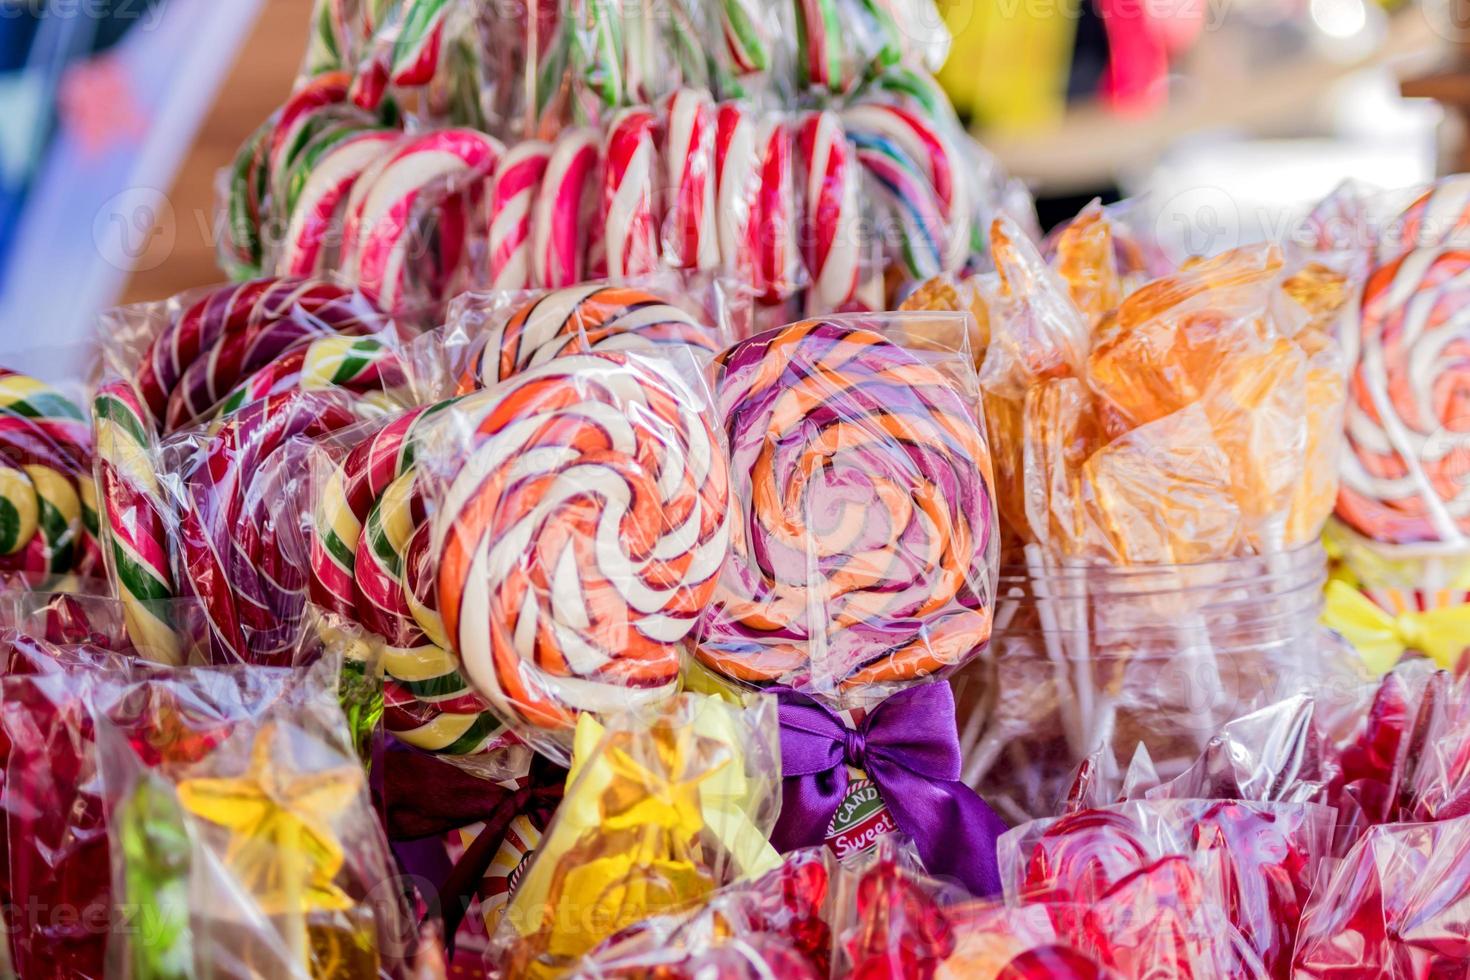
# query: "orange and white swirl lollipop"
580, 538
1406, 475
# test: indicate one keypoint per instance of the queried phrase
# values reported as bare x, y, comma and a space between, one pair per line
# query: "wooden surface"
257, 84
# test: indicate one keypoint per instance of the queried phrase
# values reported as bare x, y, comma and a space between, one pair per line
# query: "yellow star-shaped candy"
282, 847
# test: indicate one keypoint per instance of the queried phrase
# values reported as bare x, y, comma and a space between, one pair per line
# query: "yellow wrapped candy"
659, 812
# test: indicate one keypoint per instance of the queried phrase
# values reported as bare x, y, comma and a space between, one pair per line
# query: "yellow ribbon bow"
1381, 637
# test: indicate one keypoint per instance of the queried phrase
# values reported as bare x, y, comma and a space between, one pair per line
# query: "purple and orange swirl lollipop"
865, 550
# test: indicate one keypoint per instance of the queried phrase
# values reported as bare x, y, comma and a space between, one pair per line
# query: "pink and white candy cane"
517, 184
564, 203
431, 170
737, 182
630, 197
829, 215
689, 157
777, 265
327, 89
937, 163
322, 199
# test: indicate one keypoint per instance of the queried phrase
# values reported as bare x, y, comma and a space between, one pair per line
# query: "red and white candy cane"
321, 201
579, 539
689, 156
512, 196
251, 594
427, 171
778, 259
578, 319
368, 541
134, 520
223, 317
737, 182
630, 196
1404, 477
830, 234
564, 204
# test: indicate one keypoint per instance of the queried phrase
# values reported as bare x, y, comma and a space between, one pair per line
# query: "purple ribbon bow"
910, 749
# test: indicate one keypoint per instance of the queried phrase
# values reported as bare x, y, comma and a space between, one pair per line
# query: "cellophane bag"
778, 923
863, 543
490, 336
1156, 921
581, 519
663, 807
244, 838
50, 531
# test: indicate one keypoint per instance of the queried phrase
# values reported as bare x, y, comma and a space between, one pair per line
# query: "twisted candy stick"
48, 503
581, 537
562, 205
689, 157
901, 180
903, 143
737, 181
369, 532
517, 182
775, 215
630, 219
830, 234
1403, 479
427, 171
242, 250
819, 44
331, 178
579, 319
250, 598
745, 35
357, 364
227, 313
134, 532
866, 553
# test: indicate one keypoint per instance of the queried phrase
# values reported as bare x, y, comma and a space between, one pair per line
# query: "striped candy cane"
829, 194
564, 202
629, 196
517, 183
689, 156
134, 524
427, 172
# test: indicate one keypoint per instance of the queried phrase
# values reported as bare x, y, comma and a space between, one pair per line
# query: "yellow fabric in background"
1008, 64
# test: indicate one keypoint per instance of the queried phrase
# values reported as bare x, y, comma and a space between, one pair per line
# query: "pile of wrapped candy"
651, 505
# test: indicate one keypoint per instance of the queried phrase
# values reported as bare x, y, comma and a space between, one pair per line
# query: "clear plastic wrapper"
1216, 383
492, 336
251, 846
662, 808
1254, 862
582, 518
863, 556
776, 924
1089, 657
1390, 908
1157, 921
48, 501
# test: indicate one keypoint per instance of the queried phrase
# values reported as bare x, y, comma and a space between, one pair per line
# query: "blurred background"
116, 116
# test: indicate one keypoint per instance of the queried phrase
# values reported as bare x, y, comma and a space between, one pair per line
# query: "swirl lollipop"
48, 503
368, 543
1404, 478
580, 538
865, 554
579, 319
